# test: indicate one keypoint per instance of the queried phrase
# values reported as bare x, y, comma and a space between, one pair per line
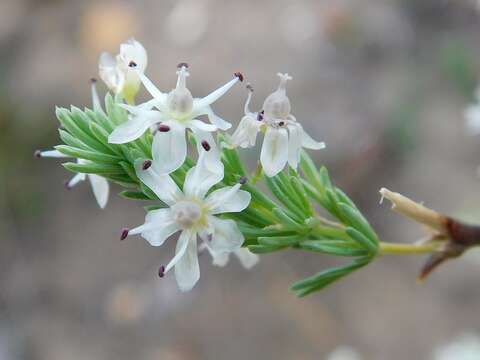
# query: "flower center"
277, 104
180, 100
186, 213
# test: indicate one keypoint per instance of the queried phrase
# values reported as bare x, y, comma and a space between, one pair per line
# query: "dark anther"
239, 75
37, 153
163, 128
93, 80
242, 180
262, 112
66, 183
281, 123
161, 271
146, 164
124, 234
206, 145
259, 116
182, 64
132, 64
249, 87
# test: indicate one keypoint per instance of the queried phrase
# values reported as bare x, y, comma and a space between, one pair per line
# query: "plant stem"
408, 249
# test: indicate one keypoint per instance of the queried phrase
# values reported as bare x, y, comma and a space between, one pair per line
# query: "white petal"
180, 248
132, 50
76, 179
247, 258
219, 259
161, 184
201, 178
134, 127
228, 199
158, 227
246, 133
202, 126
274, 152
140, 108
153, 90
308, 142
212, 156
53, 154
294, 144
100, 189
472, 116
213, 118
200, 104
109, 73
169, 149
226, 235
187, 270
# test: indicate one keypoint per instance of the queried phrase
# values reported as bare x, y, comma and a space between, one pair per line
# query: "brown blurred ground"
384, 83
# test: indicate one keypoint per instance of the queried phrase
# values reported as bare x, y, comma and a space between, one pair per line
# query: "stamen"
66, 184
132, 64
242, 180
182, 64
249, 98
146, 164
260, 116
239, 75
281, 123
249, 87
124, 233
161, 271
163, 128
93, 80
206, 145
37, 154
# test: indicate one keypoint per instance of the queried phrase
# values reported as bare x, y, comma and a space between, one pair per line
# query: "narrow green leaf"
280, 241
365, 242
88, 155
357, 221
327, 247
262, 249
287, 221
134, 195
93, 168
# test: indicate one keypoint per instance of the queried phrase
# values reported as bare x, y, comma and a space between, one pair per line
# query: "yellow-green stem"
409, 249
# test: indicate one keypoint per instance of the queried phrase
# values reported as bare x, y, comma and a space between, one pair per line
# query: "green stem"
409, 249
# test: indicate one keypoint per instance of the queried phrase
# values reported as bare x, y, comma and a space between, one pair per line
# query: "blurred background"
383, 82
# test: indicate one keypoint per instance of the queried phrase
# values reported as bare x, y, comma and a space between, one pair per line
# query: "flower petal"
169, 149
153, 90
158, 227
109, 73
228, 199
76, 179
202, 126
161, 184
200, 104
100, 189
247, 258
133, 50
187, 270
472, 116
201, 178
294, 144
246, 133
213, 118
134, 127
212, 156
308, 142
52, 154
226, 235
274, 152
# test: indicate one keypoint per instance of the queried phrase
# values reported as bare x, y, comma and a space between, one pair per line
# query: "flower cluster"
212, 202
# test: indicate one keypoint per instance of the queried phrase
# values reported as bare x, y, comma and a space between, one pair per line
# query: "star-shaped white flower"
246, 258
175, 112
472, 115
284, 136
99, 184
117, 72
192, 212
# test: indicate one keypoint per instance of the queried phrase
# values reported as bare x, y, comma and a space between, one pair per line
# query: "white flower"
472, 115
99, 184
176, 112
246, 258
192, 212
284, 136
117, 72
465, 347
